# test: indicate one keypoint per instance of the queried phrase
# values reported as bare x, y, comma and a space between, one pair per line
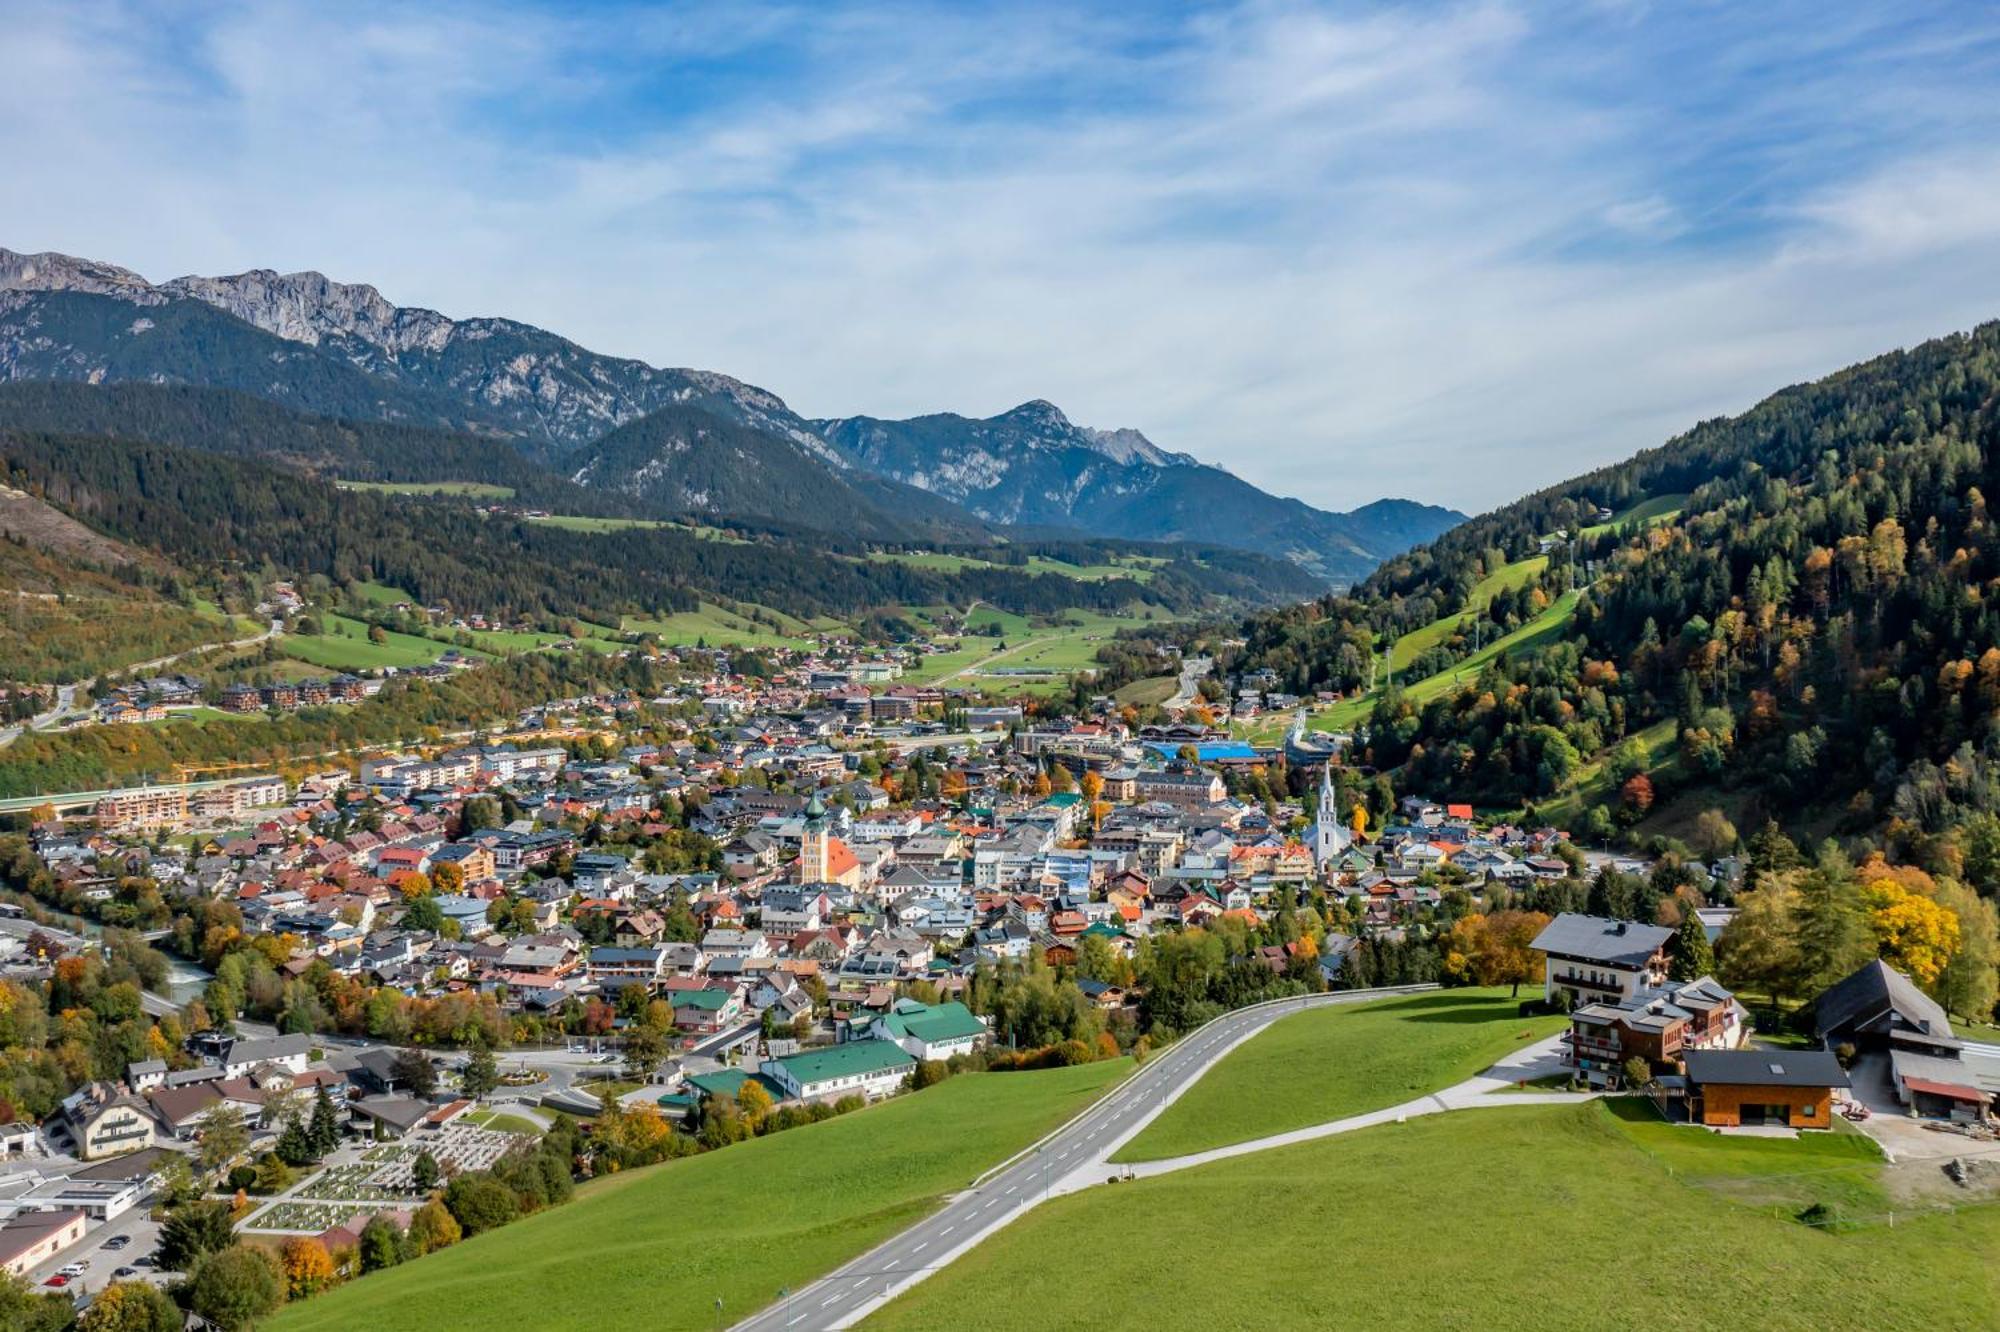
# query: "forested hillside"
212, 513
1801, 622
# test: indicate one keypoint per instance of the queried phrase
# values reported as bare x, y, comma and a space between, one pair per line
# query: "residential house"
1788, 1088
1592, 958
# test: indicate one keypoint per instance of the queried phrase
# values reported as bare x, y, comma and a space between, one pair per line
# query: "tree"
271, 1175
424, 914
482, 1072
125, 1306
1689, 954
1916, 934
448, 878
308, 1266
1714, 835
645, 1047
1496, 949
1756, 950
324, 1130
29, 1310
424, 1172
432, 1228
234, 1287
753, 1101
192, 1231
1968, 983
413, 1068
479, 1202
1637, 1072
1637, 793
295, 1146
381, 1244
221, 1135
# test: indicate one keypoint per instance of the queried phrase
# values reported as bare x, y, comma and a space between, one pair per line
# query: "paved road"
1073, 1157
1191, 672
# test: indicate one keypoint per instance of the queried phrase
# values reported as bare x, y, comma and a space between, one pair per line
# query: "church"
1331, 836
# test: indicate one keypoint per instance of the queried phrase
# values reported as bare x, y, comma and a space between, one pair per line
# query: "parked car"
71, 1269
59, 1280
124, 1272
117, 1242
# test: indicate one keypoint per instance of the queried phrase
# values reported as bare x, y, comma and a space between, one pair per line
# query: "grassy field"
474, 489
1504, 579
580, 523
718, 625
344, 646
1149, 692
1659, 509
656, 1248
1139, 568
1328, 1063
1547, 1218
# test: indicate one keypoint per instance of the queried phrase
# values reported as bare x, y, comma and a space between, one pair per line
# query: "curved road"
1073, 1157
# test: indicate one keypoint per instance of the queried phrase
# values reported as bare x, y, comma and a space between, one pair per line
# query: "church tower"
1330, 834
814, 850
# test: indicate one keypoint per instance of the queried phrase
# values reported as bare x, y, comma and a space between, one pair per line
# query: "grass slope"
1534, 1217
655, 1248
1328, 1063
344, 646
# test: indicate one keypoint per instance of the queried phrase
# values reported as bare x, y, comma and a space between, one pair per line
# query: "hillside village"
753, 903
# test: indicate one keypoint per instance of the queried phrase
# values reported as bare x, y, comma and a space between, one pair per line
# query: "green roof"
1064, 799
845, 1061
722, 1082
713, 1000
935, 1024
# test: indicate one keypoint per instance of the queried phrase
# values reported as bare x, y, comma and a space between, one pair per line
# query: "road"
66, 694
1074, 1156
1191, 672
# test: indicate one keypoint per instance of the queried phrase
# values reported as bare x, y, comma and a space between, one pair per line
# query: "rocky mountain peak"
1040, 413
50, 271
306, 307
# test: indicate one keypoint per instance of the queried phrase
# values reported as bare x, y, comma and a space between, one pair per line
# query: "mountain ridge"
343, 350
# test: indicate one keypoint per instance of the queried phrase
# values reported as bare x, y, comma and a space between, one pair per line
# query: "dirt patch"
1926, 1183
25, 518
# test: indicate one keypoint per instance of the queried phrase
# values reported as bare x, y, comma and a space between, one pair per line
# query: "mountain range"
675, 441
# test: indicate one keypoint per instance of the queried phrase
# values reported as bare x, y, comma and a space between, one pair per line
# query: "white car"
71, 1270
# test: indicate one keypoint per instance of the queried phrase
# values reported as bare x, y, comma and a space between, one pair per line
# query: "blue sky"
1447, 251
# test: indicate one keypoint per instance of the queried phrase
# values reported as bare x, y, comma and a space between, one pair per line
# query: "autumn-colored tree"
1092, 787
308, 1266
414, 885
432, 1228
753, 1101
1637, 793
130, 1306
1357, 822
449, 877
1916, 935
1043, 786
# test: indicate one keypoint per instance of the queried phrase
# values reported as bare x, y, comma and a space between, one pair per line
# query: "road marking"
920, 1248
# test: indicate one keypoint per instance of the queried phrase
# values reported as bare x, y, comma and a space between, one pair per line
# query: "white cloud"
1452, 253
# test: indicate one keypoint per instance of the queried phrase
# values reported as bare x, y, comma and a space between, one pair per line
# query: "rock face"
1031, 466
508, 377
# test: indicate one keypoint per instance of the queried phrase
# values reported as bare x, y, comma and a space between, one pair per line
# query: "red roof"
1949, 1090
1458, 811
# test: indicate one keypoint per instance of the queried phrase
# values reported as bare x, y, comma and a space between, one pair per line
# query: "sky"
1451, 252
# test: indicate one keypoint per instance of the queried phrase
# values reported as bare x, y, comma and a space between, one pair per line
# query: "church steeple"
814, 851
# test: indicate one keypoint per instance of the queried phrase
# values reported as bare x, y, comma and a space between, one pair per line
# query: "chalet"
1656, 1025
1789, 1088
1593, 959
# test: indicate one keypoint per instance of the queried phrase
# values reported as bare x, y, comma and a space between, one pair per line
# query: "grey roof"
1766, 1068
1876, 998
1598, 939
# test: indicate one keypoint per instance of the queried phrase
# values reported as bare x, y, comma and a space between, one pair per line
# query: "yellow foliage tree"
308, 1266
1358, 821
1916, 934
